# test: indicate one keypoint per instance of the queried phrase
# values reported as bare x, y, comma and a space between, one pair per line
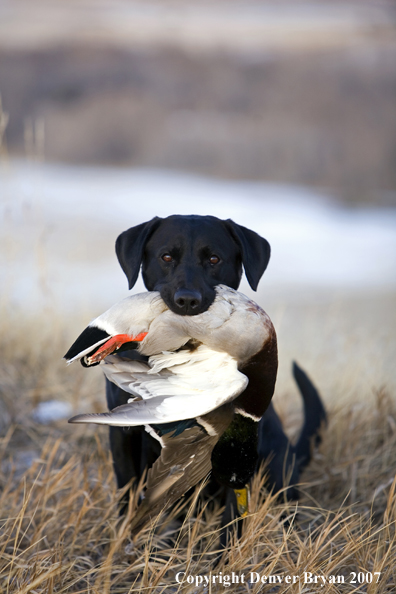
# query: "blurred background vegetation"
296, 92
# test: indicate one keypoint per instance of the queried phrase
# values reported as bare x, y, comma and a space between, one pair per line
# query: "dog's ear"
255, 251
130, 248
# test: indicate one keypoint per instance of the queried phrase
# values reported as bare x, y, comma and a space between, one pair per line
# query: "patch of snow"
52, 410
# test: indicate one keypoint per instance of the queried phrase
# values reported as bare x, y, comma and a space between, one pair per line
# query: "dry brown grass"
59, 525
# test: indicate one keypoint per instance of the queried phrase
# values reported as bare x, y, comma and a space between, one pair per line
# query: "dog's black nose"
188, 302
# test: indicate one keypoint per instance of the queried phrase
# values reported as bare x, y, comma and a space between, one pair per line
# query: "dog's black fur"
184, 258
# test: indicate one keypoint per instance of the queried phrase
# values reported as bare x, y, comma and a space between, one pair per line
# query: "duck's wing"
184, 461
186, 372
191, 385
133, 414
157, 410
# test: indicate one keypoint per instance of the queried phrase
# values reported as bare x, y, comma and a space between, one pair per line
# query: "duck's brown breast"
261, 371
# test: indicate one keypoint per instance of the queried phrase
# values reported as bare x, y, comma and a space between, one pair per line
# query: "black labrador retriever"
184, 258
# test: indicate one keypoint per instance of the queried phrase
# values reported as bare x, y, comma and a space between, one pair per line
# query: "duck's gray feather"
184, 461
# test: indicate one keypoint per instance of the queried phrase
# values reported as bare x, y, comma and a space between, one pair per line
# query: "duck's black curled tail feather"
314, 417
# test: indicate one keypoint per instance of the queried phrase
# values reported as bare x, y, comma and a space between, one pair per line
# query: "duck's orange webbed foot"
113, 344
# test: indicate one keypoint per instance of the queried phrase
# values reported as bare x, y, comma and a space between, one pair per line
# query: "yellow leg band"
243, 497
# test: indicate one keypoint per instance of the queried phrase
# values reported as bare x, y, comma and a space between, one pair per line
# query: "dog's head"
185, 257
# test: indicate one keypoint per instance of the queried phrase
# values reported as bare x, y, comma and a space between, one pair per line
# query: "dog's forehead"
197, 231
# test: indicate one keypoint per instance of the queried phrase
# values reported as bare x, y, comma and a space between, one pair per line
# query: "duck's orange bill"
113, 344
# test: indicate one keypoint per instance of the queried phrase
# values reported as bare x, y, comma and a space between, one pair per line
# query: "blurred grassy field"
60, 530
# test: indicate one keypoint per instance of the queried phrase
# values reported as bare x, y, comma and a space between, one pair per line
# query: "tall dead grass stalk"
59, 525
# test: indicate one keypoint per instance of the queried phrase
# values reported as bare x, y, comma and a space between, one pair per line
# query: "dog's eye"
166, 258
214, 259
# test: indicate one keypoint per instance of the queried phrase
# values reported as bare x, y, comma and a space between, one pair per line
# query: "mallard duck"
207, 382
